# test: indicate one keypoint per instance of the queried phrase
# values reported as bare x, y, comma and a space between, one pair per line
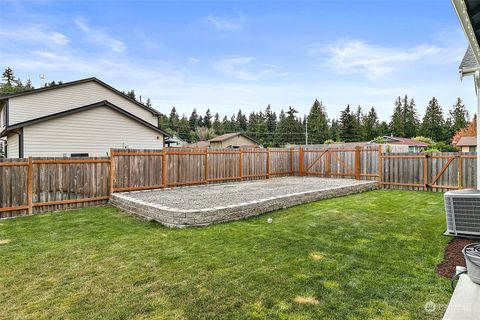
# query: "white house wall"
31, 106
92, 131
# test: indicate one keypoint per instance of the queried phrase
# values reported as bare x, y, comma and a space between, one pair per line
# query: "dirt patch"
4, 241
453, 256
306, 300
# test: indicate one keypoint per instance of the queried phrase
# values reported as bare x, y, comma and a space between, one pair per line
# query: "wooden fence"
36, 185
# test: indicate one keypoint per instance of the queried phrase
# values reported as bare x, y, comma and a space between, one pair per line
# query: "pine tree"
335, 130
207, 119
241, 121
289, 129
348, 125
397, 127
193, 120
148, 103
410, 118
371, 124
8, 77
217, 125
227, 125
184, 129
458, 118
130, 93
271, 121
359, 127
433, 123
174, 119
317, 124
383, 129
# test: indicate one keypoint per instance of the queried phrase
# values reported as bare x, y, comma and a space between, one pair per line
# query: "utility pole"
306, 131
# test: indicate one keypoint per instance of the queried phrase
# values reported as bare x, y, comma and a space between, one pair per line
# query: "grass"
367, 256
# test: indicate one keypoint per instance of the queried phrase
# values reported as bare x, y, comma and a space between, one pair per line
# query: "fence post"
30, 186
357, 162
327, 163
112, 170
241, 164
291, 161
300, 161
268, 163
460, 170
425, 172
380, 166
206, 165
164, 167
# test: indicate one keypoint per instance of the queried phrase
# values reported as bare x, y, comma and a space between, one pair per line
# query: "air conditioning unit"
463, 212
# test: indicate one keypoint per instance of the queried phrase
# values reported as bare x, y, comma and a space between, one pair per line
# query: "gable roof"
72, 83
405, 141
467, 142
468, 61
103, 103
227, 136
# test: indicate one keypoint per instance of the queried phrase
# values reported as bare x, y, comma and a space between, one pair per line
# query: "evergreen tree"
163, 122
193, 120
289, 129
370, 125
348, 125
207, 120
458, 118
227, 125
397, 127
184, 129
317, 124
130, 93
433, 123
217, 125
410, 118
335, 130
8, 77
241, 121
383, 129
148, 103
359, 127
174, 119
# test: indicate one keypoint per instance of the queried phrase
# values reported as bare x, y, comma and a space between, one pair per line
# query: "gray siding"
12, 145
31, 106
3, 116
92, 131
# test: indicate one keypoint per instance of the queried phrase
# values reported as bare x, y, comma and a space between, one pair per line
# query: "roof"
405, 141
103, 103
72, 83
467, 142
468, 12
227, 136
199, 144
468, 62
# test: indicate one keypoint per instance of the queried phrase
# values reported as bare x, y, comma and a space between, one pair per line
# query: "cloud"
224, 23
100, 37
192, 61
34, 33
357, 56
242, 67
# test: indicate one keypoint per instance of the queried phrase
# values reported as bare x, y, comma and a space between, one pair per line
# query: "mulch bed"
453, 256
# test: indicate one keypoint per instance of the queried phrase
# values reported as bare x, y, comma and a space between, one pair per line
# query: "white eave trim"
461, 10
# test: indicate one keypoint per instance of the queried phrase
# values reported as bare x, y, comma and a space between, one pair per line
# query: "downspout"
20, 142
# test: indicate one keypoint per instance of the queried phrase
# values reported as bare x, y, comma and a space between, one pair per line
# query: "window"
472, 149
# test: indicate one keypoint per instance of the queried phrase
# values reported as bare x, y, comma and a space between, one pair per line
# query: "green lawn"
367, 256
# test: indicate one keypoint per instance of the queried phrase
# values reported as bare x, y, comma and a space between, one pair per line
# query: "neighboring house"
467, 144
84, 117
232, 140
412, 144
175, 142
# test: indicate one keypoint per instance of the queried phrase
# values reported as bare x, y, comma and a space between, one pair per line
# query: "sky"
226, 55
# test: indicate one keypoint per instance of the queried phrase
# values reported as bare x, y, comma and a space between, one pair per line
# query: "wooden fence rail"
35, 185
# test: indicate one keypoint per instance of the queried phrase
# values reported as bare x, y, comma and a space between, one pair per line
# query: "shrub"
328, 141
424, 139
379, 140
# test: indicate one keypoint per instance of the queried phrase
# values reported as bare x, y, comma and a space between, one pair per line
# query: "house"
394, 144
78, 118
467, 144
411, 145
233, 140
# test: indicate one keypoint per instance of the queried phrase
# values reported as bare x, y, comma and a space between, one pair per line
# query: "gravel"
217, 195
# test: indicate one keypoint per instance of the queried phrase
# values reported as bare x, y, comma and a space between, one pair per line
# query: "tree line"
270, 129
288, 127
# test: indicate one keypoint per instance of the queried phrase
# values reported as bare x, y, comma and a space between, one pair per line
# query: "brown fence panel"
13, 187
